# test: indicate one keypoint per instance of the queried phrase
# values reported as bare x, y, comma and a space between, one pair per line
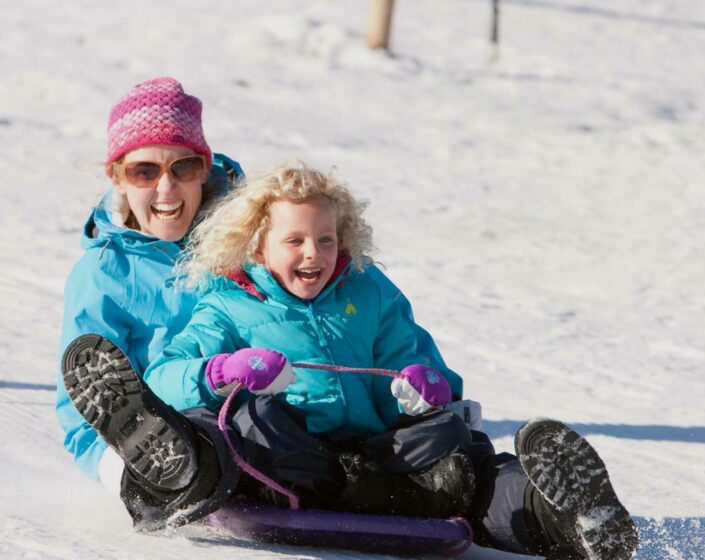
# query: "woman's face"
301, 246
167, 209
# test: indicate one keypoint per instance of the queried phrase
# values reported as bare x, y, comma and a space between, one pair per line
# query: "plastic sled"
385, 534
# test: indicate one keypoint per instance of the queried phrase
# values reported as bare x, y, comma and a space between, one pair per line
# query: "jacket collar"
257, 281
100, 232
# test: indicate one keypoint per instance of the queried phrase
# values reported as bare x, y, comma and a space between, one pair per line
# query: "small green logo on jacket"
350, 309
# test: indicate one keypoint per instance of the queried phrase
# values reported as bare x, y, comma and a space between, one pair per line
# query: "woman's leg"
564, 508
576, 499
170, 463
497, 510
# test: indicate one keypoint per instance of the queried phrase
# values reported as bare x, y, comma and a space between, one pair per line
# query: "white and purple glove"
262, 371
420, 388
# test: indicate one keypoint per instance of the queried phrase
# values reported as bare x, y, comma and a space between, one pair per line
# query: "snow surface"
543, 206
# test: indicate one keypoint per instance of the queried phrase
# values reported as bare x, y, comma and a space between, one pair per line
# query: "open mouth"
168, 211
309, 274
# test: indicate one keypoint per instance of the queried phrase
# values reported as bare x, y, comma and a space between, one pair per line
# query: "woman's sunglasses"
146, 174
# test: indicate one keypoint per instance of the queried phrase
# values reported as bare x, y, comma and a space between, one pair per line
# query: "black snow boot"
573, 507
153, 508
155, 442
256, 491
443, 490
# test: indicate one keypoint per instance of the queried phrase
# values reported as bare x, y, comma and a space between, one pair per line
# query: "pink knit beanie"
156, 112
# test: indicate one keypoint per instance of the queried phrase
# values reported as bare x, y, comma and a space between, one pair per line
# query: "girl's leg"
275, 442
564, 508
415, 443
213, 484
419, 467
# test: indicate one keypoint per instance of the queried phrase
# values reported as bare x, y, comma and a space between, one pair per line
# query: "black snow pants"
275, 441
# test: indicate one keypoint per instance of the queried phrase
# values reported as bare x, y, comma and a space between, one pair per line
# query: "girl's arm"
425, 345
395, 347
177, 375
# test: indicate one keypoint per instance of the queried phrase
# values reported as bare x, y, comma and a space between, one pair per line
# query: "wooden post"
494, 35
494, 32
380, 23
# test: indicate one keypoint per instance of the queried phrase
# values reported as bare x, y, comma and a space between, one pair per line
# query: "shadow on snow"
26, 386
691, 434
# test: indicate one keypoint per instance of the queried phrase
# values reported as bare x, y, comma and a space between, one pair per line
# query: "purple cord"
345, 369
240, 462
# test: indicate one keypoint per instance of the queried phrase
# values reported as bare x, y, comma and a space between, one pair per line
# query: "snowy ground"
544, 210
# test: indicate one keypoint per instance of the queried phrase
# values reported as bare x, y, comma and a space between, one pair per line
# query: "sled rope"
240, 462
293, 498
345, 369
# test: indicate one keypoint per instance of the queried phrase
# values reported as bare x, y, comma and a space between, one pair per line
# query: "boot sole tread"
570, 474
107, 392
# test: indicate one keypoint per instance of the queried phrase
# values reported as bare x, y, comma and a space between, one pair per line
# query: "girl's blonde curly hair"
232, 233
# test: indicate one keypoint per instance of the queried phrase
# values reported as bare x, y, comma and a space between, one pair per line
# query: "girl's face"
300, 247
167, 209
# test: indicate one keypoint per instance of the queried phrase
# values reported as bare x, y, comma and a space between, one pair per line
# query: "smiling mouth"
309, 274
168, 212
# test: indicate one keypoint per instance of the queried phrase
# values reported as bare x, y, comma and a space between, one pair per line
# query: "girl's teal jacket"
352, 322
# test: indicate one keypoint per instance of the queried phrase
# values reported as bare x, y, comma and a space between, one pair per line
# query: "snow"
542, 206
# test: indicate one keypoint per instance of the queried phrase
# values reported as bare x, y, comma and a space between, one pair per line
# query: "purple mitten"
420, 388
262, 371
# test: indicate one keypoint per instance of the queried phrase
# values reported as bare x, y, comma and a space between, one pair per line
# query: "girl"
291, 249
284, 263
